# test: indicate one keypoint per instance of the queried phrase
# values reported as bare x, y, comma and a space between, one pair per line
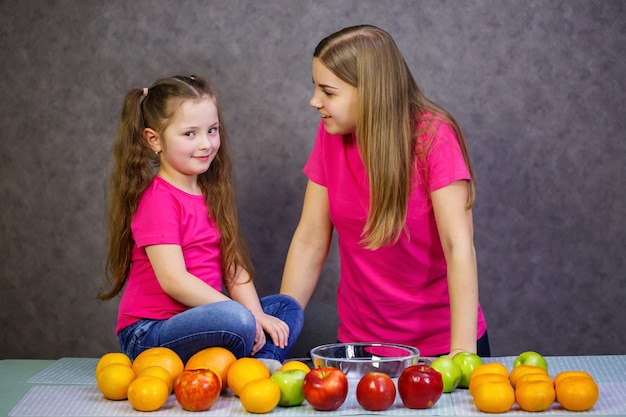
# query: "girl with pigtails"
174, 241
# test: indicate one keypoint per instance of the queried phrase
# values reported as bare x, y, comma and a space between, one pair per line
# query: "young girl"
390, 172
173, 236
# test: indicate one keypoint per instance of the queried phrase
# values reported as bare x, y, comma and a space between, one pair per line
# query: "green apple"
467, 362
449, 371
531, 358
290, 384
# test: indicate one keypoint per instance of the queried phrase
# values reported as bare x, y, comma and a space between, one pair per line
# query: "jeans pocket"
135, 338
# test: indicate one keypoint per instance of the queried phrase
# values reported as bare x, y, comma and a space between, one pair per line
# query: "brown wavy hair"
134, 166
390, 108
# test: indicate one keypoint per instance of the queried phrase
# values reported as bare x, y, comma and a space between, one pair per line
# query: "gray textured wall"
538, 86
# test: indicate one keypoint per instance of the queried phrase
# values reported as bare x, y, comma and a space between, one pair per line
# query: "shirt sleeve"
445, 159
157, 220
314, 168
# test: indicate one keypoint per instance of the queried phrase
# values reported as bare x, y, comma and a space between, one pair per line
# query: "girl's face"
335, 99
189, 143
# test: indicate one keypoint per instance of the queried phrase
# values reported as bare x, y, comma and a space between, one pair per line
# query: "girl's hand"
242, 290
275, 328
259, 339
454, 352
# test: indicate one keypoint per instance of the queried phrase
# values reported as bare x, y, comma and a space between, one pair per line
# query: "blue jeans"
226, 323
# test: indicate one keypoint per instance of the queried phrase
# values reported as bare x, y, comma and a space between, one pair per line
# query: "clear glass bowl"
357, 359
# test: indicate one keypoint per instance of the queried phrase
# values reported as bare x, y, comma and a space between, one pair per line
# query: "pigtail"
133, 169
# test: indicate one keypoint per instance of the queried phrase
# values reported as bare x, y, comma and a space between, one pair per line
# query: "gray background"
539, 88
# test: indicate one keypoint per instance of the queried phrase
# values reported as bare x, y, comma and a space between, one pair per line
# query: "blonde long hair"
390, 108
134, 167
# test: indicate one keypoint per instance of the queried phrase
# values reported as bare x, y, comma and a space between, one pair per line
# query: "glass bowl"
357, 359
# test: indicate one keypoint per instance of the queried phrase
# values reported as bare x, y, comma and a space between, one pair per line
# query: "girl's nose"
315, 102
213, 142
206, 143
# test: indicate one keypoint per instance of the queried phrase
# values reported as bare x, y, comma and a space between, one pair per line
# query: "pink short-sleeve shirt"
397, 293
168, 215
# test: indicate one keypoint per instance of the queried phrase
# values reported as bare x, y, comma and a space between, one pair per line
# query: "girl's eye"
190, 133
213, 130
327, 93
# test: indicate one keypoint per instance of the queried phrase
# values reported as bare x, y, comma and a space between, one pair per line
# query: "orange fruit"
565, 374
260, 396
537, 395
217, 358
494, 397
295, 365
534, 377
485, 377
243, 371
520, 370
114, 379
148, 393
112, 357
489, 368
577, 393
159, 372
159, 356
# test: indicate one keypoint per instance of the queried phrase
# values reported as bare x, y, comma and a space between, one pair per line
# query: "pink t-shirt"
168, 215
397, 293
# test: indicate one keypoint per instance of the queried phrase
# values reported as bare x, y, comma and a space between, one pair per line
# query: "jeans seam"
200, 334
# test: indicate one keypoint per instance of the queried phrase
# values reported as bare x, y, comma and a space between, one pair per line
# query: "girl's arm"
309, 246
242, 290
169, 266
456, 230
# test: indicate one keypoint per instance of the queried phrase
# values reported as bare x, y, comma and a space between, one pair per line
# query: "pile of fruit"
496, 390
148, 381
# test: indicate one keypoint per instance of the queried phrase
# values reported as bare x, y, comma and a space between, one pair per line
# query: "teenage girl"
390, 173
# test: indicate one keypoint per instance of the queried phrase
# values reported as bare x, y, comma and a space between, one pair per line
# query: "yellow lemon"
295, 365
112, 357
244, 370
148, 393
159, 372
114, 379
260, 396
160, 356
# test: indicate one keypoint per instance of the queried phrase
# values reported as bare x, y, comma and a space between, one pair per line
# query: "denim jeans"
226, 323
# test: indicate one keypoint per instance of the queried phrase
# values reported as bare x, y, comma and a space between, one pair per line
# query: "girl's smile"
203, 158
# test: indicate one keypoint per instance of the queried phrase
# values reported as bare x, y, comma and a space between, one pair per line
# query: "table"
66, 387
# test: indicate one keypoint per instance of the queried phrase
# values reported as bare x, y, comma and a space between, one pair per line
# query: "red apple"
376, 391
325, 388
420, 386
198, 389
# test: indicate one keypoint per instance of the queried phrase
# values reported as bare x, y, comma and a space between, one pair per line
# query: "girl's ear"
152, 139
